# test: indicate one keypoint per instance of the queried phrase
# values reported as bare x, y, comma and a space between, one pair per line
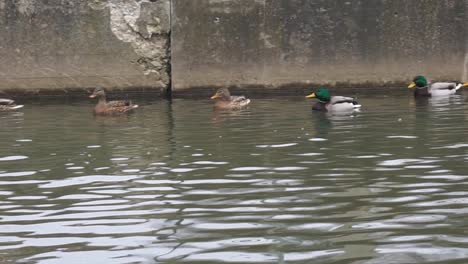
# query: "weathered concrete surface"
69, 44
279, 42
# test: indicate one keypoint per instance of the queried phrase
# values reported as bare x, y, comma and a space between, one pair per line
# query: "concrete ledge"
292, 89
81, 93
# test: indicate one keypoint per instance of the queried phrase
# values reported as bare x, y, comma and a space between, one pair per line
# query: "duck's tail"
356, 105
17, 107
460, 85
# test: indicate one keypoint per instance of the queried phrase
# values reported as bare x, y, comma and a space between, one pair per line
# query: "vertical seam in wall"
465, 61
465, 66
265, 33
169, 46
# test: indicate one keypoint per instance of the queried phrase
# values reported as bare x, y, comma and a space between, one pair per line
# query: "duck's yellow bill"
312, 95
412, 85
215, 96
465, 84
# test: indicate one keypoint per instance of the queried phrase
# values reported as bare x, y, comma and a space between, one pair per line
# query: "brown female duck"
105, 107
227, 101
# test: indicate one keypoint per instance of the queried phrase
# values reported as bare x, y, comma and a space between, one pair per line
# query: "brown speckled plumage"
105, 107
227, 101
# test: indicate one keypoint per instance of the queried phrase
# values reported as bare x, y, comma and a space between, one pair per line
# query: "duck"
424, 88
328, 103
8, 105
226, 101
105, 107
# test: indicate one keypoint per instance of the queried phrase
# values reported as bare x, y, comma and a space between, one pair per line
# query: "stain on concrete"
26, 7
146, 26
67, 44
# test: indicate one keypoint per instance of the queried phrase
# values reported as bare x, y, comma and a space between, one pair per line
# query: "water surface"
275, 183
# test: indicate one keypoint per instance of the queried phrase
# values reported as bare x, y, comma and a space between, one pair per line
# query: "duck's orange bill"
465, 84
312, 95
412, 85
215, 96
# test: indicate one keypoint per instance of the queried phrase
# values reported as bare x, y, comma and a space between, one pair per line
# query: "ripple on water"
403, 137
83, 180
178, 187
81, 197
253, 168
75, 168
317, 139
316, 226
277, 145
229, 226
207, 162
12, 158
182, 170
120, 159
17, 174
424, 252
291, 168
401, 162
454, 146
233, 256
443, 202
419, 218
309, 154
312, 255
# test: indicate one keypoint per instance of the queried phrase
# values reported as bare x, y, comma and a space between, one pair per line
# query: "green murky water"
275, 183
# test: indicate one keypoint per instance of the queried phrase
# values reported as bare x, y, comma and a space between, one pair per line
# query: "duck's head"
418, 81
98, 92
222, 94
321, 94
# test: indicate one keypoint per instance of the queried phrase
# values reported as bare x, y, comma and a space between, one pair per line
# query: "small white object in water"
400, 119
11, 158
317, 139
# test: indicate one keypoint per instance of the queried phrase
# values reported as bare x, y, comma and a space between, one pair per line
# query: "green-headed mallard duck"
329, 103
227, 101
8, 105
424, 88
104, 107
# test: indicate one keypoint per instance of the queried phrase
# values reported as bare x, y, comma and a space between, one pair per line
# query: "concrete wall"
70, 44
67, 44
280, 42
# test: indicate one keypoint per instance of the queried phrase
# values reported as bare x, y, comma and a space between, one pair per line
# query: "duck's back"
442, 88
119, 103
236, 102
114, 107
342, 104
341, 99
240, 100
